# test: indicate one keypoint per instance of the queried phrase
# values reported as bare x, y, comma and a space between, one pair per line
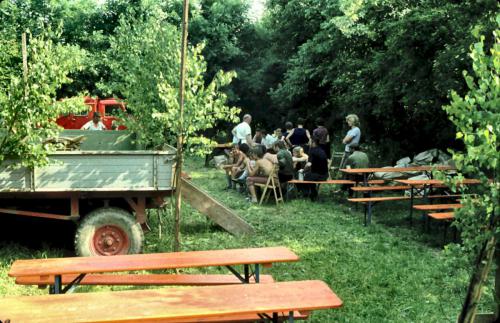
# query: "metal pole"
180, 131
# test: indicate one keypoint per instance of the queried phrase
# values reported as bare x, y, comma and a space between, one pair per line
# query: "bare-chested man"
258, 173
234, 170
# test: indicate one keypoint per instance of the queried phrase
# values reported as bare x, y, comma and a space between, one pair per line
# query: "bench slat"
430, 207
378, 199
331, 181
171, 304
79, 265
443, 196
142, 280
442, 216
250, 318
379, 188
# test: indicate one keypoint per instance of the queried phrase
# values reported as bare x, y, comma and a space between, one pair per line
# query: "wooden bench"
435, 207
250, 259
192, 304
380, 188
141, 280
442, 216
330, 181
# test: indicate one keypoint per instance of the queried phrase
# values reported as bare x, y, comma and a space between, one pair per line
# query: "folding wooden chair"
273, 184
335, 164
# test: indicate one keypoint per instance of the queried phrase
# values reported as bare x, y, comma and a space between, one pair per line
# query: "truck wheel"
108, 231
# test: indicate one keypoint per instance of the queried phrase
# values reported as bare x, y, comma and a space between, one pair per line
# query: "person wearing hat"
95, 123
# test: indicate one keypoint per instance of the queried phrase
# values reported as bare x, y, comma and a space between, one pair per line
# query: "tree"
477, 119
144, 60
28, 99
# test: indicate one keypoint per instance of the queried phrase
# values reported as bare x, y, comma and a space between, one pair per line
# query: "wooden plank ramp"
214, 210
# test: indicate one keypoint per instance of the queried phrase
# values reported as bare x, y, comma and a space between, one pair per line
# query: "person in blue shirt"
352, 137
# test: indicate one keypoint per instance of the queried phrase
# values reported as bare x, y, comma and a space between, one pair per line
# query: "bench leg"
245, 278
257, 273
369, 213
411, 205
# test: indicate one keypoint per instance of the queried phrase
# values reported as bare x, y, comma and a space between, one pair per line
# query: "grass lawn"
388, 272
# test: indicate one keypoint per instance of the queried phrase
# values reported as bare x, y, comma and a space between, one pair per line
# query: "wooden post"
180, 133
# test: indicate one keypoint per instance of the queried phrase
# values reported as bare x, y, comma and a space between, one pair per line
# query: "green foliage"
476, 115
28, 108
392, 62
145, 62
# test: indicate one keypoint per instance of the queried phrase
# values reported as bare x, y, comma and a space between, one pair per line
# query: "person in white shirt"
242, 133
95, 123
268, 140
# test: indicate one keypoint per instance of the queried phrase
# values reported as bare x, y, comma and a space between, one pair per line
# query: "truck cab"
109, 109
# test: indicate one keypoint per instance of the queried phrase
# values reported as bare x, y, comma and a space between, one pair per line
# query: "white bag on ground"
218, 161
432, 156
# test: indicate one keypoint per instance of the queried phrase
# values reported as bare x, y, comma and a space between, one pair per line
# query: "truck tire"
108, 231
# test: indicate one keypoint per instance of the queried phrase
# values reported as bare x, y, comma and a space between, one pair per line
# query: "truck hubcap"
110, 240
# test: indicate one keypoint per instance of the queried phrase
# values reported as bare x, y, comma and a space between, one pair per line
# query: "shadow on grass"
34, 233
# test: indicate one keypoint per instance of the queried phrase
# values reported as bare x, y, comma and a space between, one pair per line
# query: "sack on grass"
220, 160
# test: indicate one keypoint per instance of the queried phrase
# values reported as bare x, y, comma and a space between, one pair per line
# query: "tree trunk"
479, 276
180, 136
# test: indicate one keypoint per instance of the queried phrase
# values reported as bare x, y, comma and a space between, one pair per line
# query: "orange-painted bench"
442, 216
191, 304
330, 181
436, 207
250, 259
141, 280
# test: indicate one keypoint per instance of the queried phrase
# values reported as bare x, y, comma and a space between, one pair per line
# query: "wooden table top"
414, 182
170, 304
395, 169
81, 265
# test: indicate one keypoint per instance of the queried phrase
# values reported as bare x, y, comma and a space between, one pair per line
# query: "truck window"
83, 113
112, 110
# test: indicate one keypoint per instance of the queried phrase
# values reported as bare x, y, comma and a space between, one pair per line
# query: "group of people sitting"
293, 153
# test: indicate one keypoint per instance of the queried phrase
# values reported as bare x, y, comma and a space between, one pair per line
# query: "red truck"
109, 109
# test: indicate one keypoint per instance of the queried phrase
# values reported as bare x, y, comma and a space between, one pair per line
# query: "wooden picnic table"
423, 184
192, 304
429, 182
87, 265
368, 171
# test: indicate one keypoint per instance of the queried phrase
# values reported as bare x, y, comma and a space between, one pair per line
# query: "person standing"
321, 133
95, 123
352, 137
299, 136
242, 133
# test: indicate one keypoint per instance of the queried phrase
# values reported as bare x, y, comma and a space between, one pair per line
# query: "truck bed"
94, 170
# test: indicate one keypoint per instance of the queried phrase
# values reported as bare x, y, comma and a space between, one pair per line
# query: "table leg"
290, 317
257, 273
369, 212
247, 274
411, 205
57, 284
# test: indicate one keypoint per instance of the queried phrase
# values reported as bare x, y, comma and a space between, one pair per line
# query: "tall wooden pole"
180, 133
